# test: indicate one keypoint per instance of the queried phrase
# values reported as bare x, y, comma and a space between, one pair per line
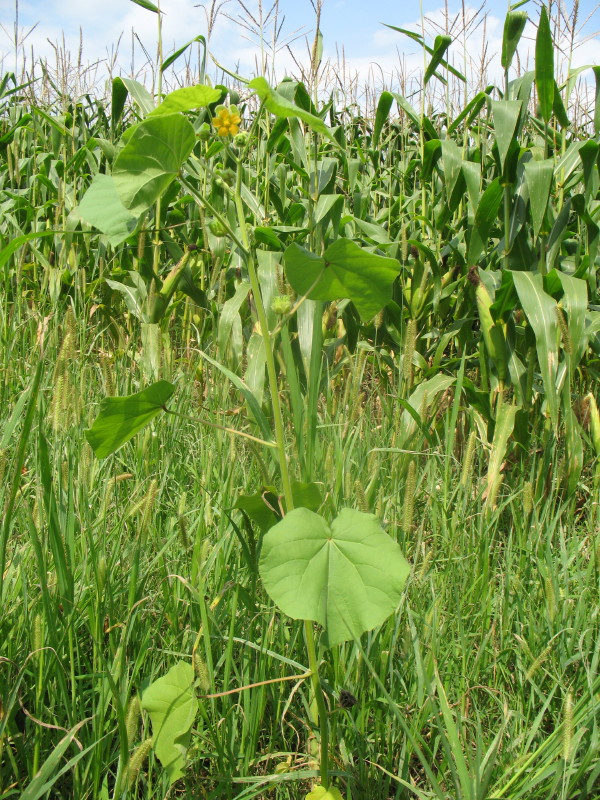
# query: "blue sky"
354, 25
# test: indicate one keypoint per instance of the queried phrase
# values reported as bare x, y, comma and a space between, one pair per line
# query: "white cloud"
386, 58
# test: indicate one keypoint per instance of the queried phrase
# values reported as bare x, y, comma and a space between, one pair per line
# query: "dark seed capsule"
347, 700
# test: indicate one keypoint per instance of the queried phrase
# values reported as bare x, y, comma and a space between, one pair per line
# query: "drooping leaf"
419, 121
147, 5
262, 507
347, 576
544, 66
514, 24
383, 111
279, 105
575, 303
471, 110
441, 44
101, 207
134, 296
140, 94
181, 50
187, 99
417, 37
151, 159
120, 418
173, 707
118, 98
344, 270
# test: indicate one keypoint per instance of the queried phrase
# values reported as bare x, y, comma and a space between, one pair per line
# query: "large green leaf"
173, 707
506, 117
120, 418
544, 66
540, 310
101, 207
151, 159
187, 99
539, 180
485, 215
347, 576
279, 105
344, 270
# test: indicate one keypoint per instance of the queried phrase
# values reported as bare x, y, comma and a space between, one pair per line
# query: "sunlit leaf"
172, 706
120, 418
344, 270
347, 576
187, 99
151, 159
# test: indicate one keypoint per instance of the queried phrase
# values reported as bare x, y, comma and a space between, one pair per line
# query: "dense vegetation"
313, 309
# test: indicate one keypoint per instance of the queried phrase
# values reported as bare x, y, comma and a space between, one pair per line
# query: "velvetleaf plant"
347, 575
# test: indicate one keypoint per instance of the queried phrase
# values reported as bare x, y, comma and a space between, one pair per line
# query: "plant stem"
321, 718
264, 329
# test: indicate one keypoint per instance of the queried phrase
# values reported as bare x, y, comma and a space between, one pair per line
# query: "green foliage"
120, 418
344, 270
391, 310
347, 576
172, 705
151, 159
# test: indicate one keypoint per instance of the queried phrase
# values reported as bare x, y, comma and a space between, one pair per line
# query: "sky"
354, 27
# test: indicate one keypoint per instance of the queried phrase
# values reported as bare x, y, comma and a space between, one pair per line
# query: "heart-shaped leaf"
172, 706
101, 207
120, 418
151, 159
348, 576
344, 270
321, 793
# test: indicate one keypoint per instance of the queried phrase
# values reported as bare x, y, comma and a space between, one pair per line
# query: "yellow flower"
227, 122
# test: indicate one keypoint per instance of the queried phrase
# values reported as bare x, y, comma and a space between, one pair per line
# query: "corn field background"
372, 293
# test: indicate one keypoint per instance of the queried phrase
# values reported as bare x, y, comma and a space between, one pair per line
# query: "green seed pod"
281, 305
217, 228
241, 139
204, 132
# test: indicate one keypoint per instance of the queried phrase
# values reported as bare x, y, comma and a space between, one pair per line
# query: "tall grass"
485, 682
